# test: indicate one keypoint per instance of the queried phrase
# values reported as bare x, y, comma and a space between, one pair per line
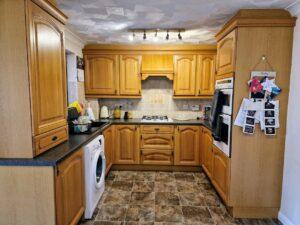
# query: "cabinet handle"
157, 129
54, 138
115, 91
139, 91
172, 137
136, 127
141, 137
199, 92
174, 92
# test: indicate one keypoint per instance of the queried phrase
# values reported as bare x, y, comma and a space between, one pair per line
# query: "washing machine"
95, 167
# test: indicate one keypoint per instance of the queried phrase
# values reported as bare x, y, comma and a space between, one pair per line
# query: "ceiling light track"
146, 32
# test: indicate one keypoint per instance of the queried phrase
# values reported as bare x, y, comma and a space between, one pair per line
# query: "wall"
157, 99
290, 203
74, 46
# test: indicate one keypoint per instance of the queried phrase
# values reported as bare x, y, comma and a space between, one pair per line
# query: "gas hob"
156, 119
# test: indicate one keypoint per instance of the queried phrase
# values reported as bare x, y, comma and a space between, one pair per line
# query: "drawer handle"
156, 129
54, 138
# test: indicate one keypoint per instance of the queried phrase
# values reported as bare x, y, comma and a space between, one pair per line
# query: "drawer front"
50, 139
157, 129
157, 141
157, 157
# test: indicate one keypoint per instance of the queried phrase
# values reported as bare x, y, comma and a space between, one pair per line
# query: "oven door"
227, 107
224, 143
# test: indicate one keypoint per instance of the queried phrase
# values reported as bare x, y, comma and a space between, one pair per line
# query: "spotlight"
144, 36
155, 36
168, 36
179, 36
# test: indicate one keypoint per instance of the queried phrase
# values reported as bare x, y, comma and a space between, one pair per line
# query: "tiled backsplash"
157, 99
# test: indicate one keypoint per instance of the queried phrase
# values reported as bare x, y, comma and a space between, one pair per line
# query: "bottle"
117, 112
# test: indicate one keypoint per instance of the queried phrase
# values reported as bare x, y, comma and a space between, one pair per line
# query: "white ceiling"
108, 21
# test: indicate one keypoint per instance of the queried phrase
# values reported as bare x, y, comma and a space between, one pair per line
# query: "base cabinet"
220, 172
127, 144
207, 154
70, 190
109, 144
187, 146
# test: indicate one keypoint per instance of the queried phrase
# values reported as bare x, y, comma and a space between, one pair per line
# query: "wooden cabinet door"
187, 146
101, 74
185, 75
157, 141
109, 147
47, 70
156, 157
226, 54
127, 149
207, 144
70, 189
206, 75
220, 172
130, 74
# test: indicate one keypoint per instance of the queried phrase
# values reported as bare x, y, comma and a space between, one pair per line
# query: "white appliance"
104, 112
95, 166
224, 143
226, 87
156, 119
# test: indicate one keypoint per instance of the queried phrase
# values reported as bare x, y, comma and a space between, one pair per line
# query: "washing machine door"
99, 167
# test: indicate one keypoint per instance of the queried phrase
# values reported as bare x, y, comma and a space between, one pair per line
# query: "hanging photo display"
262, 85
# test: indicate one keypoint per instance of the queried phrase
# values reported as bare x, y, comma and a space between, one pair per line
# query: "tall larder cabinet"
33, 78
256, 163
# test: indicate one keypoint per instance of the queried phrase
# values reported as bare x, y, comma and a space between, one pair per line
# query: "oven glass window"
224, 133
227, 100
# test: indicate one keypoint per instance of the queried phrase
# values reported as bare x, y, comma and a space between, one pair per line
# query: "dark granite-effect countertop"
200, 122
57, 154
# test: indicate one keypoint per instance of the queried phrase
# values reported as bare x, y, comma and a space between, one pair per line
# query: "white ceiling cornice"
74, 38
294, 8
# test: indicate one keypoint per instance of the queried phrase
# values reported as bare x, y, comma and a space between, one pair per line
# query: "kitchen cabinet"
127, 143
101, 74
109, 144
70, 189
220, 172
156, 157
157, 144
34, 53
226, 54
130, 74
205, 75
207, 154
187, 146
184, 75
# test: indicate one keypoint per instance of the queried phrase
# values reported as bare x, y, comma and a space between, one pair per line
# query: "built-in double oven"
224, 87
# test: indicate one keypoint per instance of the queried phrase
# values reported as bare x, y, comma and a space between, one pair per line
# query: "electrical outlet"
195, 108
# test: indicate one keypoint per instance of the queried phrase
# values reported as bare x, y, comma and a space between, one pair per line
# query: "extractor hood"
157, 65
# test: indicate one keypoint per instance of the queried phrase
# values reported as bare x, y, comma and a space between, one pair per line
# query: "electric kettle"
104, 112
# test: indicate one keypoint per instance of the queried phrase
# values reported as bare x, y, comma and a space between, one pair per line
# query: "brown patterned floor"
163, 198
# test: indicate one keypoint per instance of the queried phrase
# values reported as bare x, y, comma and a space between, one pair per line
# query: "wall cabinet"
102, 74
70, 199
205, 75
34, 53
206, 147
220, 172
184, 75
226, 54
109, 144
130, 74
187, 146
127, 149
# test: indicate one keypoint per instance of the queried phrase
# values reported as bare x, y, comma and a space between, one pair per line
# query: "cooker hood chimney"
157, 65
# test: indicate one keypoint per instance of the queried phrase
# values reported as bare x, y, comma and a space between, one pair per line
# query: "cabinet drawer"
157, 128
50, 139
157, 141
157, 157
